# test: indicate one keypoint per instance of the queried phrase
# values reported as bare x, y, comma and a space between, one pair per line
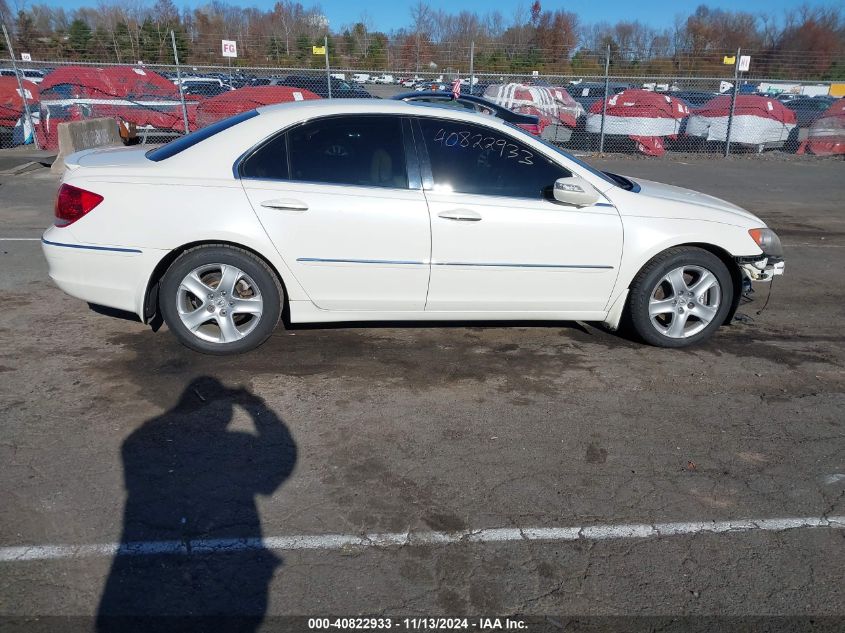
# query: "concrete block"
78, 135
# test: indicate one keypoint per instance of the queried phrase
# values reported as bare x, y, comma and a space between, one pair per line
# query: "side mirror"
576, 191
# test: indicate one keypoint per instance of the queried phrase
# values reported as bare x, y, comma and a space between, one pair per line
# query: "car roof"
329, 107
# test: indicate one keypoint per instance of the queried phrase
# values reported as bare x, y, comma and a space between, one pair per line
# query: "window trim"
415, 178
425, 159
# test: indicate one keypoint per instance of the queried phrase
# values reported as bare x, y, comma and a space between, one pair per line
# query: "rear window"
189, 140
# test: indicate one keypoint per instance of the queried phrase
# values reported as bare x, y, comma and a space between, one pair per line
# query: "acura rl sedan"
357, 210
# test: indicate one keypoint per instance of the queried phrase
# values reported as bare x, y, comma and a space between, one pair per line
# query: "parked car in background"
15, 128
557, 112
360, 78
758, 123
435, 86
131, 95
384, 79
205, 88
247, 98
472, 103
808, 109
35, 76
380, 210
692, 98
318, 84
587, 93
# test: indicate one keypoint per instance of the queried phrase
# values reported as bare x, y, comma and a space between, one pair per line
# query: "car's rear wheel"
680, 297
219, 299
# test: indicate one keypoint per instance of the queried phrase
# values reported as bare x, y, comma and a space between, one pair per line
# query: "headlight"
768, 241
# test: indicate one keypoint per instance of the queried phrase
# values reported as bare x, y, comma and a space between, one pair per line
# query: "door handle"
285, 204
462, 215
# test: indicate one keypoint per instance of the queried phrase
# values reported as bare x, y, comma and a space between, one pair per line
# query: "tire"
661, 316
237, 293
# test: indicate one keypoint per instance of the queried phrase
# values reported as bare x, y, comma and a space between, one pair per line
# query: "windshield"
604, 176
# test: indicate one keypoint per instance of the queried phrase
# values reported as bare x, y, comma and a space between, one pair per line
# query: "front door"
499, 242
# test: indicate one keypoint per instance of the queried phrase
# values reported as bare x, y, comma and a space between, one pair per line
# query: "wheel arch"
151, 313
724, 256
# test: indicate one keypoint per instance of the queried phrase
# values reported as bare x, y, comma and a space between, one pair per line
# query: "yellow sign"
837, 90
319, 50
729, 60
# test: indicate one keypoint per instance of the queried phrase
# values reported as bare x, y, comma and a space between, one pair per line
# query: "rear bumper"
111, 276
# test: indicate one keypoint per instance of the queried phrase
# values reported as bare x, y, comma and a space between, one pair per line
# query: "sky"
387, 15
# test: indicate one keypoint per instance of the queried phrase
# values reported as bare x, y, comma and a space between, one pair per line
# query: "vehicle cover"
248, 98
646, 117
128, 93
827, 134
552, 106
11, 104
756, 121
12, 116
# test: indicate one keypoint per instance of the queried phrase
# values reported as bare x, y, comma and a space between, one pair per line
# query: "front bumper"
761, 268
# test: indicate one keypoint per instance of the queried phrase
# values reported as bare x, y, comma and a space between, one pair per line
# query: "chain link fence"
651, 114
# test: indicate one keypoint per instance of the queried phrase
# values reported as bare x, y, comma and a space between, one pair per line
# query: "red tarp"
645, 117
112, 81
244, 99
127, 93
753, 105
11, 104
827, 134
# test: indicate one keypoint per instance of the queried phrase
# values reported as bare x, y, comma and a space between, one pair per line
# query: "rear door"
341, 199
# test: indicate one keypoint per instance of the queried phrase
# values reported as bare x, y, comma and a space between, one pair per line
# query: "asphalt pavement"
413, 470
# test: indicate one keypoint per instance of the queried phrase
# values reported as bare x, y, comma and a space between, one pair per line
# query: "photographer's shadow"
191, 544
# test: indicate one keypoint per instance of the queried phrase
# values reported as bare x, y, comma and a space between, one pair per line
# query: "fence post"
179, 80
328, 73
733, 103
472, 68
21, 88
604, 103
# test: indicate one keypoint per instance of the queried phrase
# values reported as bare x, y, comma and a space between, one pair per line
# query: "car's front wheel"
220, 299
680, 297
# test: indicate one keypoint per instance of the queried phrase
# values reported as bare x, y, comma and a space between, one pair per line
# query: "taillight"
72, 203
531, 128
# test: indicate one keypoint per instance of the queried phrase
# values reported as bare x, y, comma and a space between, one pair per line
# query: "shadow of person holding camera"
191, 556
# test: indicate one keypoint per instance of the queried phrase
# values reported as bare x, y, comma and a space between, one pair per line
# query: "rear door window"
366, 151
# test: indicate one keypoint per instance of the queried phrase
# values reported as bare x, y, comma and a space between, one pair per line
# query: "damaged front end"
758, 269
766, 266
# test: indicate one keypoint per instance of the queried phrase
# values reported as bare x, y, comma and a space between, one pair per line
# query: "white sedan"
383, 210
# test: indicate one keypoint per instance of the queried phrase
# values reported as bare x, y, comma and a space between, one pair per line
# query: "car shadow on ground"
191, 544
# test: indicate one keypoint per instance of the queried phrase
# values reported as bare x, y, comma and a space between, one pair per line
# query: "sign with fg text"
744, 63
319, 50
230, 48
26, 57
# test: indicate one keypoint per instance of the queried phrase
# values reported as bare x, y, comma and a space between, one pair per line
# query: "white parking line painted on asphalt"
24, 553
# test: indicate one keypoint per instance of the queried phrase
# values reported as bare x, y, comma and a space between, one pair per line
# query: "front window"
610, 178
467, 158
